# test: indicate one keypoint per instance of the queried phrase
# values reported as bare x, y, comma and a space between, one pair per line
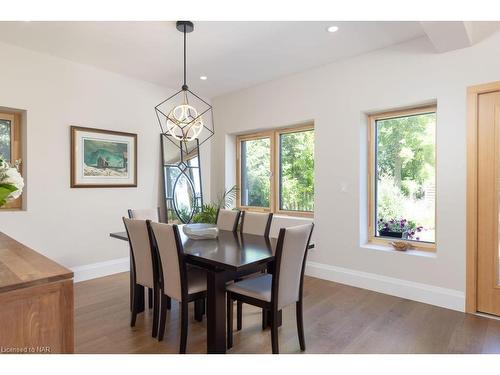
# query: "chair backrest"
141, 251
291, 254
228, 219
285, 221
152, 214
172, 269
256, 223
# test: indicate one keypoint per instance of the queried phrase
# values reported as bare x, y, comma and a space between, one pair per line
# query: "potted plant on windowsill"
398, 228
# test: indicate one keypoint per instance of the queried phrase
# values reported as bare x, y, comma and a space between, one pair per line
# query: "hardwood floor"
337, 319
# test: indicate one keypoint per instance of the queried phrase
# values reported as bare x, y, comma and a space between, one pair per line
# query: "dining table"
227, 257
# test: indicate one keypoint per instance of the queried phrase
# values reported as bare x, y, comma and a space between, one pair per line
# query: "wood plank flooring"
337, 319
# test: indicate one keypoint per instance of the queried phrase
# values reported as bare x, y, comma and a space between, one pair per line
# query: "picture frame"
102, 158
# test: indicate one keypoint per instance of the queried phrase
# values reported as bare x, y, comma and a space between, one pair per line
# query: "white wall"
337, 97
72, 225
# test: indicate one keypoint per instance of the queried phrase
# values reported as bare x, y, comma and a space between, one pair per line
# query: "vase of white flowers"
11, 182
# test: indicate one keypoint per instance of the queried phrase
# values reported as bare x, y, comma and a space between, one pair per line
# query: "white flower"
14, 178
3, 164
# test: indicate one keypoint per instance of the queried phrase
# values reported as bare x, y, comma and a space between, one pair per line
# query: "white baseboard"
443, 297
95, 270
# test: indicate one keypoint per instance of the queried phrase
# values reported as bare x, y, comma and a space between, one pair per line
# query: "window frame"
275, 157
253, 137
372, 159
16, 152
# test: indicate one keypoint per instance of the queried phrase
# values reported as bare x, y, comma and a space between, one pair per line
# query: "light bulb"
183, 123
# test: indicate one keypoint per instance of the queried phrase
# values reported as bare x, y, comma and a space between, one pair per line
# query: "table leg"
216, 312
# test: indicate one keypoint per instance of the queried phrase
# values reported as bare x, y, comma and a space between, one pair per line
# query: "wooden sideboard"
36, 301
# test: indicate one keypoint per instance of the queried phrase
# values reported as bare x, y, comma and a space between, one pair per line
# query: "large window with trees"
275, 171
402, 177
10, 147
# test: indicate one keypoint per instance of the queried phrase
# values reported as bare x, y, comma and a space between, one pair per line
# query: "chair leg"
229, 316
274, 332
156, 311
150, 298
137, 295
169, 303
198, 309
264, 319
300, 325
163, 316
184, 327
131, 285
239, 315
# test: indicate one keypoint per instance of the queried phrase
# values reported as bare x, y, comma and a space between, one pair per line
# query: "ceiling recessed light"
332, 29
203, 78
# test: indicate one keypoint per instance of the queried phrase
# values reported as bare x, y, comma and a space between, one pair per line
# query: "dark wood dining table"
225, 258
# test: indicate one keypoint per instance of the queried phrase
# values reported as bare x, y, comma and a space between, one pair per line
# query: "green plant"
208, 212
11, 182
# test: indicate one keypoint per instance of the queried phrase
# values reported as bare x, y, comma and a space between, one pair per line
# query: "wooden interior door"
488, 203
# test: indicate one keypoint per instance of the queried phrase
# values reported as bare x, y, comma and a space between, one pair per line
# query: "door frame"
473, 93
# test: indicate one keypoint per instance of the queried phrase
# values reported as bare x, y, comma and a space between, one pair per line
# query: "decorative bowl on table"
201, 231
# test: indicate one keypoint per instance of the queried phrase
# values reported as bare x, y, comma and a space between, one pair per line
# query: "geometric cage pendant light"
183, 116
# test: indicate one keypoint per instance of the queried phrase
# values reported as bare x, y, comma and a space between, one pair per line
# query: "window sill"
390, 249
299, 214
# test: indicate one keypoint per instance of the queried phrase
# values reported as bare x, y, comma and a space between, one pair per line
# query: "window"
402, 177
275, 171
10, 146
255, 188
296, 170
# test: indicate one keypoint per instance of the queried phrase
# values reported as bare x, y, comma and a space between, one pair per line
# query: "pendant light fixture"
183, 116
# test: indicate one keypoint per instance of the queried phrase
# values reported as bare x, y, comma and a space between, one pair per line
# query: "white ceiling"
233, 55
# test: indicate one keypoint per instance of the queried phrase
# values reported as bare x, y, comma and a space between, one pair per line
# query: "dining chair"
273, 292
228, 219
152, 214
143, 268
258, 223
176, 280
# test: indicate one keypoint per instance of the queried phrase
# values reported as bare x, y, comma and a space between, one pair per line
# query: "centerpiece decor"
200, 231
11, 182
182, 116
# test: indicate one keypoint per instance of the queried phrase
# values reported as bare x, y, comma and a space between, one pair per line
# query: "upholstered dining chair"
143, 268
258, 223
275, 291
152, 214
176, 280
228, 219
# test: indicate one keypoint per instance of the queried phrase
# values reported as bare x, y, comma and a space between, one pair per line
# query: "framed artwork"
103, 158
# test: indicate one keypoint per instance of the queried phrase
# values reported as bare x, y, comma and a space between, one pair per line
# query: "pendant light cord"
185, 56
